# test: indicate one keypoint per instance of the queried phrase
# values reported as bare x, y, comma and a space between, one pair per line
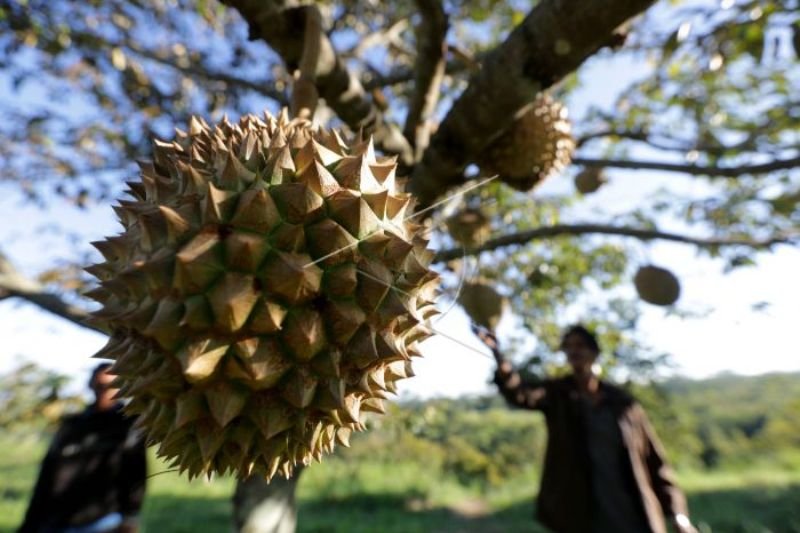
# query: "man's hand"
487, 337
682, 524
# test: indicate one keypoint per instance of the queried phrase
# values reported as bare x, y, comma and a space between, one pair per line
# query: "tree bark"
429, 69
261, 507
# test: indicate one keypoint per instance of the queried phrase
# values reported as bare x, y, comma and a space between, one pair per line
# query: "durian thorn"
177, 225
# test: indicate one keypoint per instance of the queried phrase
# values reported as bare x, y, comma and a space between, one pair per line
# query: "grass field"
340, 497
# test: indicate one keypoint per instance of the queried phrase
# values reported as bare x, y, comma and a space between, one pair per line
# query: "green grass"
339, 497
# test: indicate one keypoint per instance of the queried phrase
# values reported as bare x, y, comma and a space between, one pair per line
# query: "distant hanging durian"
267, 290
657, 285
589, 180
537, 145
469, 227
482, 303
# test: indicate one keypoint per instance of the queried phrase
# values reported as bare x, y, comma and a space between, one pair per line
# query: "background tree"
435, 83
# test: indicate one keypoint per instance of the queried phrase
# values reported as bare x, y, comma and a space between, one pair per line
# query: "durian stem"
304, 90
428, 74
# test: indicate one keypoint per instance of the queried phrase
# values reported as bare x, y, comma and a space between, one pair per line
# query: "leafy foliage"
31, 396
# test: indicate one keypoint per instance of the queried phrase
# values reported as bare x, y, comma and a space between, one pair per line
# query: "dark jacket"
565, 497
95, 466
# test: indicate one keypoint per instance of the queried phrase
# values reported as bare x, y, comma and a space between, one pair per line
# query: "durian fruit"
589, 180
538, 145
267, 291
657, 285
469, 227
482, 303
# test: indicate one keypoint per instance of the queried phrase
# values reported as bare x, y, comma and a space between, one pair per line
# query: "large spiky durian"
537, 145
268, 289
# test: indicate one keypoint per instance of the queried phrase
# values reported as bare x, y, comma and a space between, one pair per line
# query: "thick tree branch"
560, 230
695, 170
281, 26
13, 284
428, 74
555, 38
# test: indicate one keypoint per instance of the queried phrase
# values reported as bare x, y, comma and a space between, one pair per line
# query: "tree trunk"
261, 507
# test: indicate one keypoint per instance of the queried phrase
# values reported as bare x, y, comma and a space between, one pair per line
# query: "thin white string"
443, 221
454, 195
459, 342
409, 217
429, 327
163, 472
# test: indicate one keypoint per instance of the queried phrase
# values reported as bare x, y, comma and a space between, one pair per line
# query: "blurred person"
92, 479
604, 468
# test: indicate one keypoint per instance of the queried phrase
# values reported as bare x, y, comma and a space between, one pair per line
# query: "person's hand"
487, 337
682, 524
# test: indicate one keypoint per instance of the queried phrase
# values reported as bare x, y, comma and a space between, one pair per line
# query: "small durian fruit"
267, 290
589, 180
482, 303
657, 285
469, 227
537, 145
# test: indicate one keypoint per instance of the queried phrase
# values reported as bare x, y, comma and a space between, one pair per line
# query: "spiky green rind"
266, 292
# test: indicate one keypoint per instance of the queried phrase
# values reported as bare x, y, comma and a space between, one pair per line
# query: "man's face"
580, 354
103, 392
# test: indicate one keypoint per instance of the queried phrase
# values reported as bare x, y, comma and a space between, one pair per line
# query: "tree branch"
665, 142
375, 80
695, 170
13, 284
428, 74
193, 70
281, 27
555, 38
263, 88
561, 230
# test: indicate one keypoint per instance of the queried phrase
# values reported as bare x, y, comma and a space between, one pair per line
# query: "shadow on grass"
387, 513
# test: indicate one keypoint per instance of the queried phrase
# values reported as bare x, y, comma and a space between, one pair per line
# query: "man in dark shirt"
92, 479
604, 468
